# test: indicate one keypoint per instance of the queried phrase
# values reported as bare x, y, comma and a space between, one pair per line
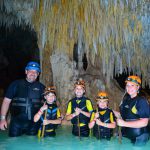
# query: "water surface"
64, 140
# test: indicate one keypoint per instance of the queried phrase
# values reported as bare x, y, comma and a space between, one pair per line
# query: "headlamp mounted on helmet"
134, 79
33, 66
49, 89
102, 96
80, 82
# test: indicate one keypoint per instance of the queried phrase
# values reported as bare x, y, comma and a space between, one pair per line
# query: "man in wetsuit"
23, 97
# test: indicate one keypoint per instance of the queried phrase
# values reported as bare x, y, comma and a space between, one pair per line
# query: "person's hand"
96, 115
120, 122
3, 124
77, 111
98, 122
62, 117
117, 114
44, 107
45, 122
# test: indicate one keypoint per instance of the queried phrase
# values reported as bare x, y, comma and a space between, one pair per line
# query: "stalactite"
99, 24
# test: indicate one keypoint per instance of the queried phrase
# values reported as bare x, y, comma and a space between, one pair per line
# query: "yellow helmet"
134, 79
50, 89
102, 96
80, 82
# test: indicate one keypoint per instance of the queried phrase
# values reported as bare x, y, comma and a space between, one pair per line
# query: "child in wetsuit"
102, 120
79, 110
49, 114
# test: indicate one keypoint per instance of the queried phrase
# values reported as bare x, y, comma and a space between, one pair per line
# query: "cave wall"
65, 72
17, 46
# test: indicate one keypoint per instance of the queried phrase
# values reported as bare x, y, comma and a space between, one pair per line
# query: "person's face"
31, 75
132, 89
79, 91
50, 98
102, 104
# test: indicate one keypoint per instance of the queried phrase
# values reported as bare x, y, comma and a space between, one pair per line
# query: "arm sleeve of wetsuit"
69, 108
42, 91
112, 117
89, 105
58, 113
143, 108
10, 93
92, 116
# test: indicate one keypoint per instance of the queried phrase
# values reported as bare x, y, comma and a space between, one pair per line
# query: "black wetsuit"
51, 114
134, 109
80, 123
101, 132
26, 101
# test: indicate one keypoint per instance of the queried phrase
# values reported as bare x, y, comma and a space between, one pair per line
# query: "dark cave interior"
17, 47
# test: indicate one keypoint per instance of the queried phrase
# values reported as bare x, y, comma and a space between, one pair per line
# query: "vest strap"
27, 103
